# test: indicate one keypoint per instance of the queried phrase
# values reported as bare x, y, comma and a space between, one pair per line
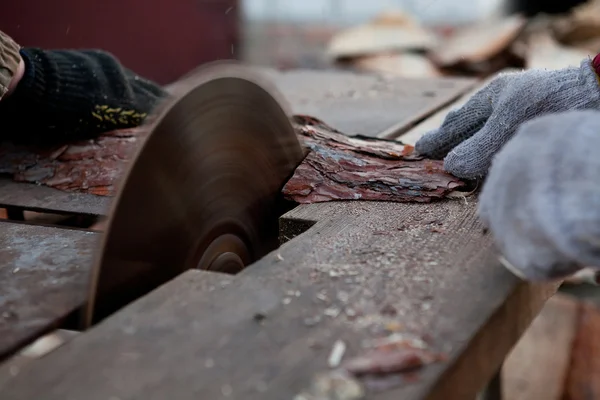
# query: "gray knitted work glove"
471, 135
541, 199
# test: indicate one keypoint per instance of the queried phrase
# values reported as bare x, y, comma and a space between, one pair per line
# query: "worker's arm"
470, 136
66, 95
541, 199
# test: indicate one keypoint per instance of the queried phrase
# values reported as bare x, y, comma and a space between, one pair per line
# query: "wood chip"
337, 353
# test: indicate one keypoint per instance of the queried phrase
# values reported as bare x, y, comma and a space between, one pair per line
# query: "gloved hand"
11, 65
470, 136
541, 199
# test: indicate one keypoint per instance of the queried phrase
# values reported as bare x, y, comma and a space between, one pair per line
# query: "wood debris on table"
391, 361
337, 167
386, 363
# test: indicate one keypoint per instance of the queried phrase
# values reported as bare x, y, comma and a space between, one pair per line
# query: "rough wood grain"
44, 275
364, 271
538, 365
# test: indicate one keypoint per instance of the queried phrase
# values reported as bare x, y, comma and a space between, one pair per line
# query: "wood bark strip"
353, 168
337, 167
91, 166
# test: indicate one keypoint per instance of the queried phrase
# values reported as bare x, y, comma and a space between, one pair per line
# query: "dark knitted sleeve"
68, 95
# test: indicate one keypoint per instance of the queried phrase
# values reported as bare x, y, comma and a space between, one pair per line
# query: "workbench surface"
348, 273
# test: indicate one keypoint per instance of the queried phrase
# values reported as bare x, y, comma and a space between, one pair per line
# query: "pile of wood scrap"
394, 43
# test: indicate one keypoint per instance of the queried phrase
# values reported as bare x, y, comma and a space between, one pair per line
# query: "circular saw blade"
204, 190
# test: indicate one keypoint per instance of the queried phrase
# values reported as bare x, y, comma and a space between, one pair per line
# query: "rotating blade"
204, 190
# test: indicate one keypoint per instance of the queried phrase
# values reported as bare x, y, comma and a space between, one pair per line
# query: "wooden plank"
353, 103
198, 281
363, 271
32, 197
44, 277
583, 380
365, 103
538, 365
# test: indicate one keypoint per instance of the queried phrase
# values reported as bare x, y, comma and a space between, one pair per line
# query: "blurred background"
163, 40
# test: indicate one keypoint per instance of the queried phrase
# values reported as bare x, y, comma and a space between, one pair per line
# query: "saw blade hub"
227, 253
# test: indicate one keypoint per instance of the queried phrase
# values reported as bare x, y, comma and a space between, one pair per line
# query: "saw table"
344, 272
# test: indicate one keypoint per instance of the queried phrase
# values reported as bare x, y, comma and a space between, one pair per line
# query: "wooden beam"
363, 271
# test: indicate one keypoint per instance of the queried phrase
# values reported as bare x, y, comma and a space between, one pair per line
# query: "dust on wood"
364, 272
44, 277
478, 46
338, 167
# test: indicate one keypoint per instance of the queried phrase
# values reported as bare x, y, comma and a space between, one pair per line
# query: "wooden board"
25, 196
361, 272
353, 103
583, 380
537, 367
366, 104
44, 277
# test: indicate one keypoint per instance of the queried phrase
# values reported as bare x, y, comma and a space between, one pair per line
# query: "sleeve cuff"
9, 61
